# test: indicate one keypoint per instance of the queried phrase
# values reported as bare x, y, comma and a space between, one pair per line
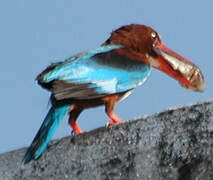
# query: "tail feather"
45, 133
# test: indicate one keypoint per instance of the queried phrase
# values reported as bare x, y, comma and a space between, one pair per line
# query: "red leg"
74, 113
114, 119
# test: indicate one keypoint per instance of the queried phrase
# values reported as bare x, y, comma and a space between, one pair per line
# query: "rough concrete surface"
175, 144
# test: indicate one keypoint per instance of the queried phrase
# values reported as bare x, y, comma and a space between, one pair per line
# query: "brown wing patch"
63, 90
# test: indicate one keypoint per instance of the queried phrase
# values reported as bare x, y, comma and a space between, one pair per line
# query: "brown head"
142, 43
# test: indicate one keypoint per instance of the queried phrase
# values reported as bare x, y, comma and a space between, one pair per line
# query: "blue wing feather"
96, 73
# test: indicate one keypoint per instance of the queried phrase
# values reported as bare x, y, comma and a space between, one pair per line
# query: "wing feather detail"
93, 74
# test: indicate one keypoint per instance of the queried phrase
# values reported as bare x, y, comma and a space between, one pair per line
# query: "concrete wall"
175, 144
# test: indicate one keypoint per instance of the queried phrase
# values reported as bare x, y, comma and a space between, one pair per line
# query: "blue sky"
34, 34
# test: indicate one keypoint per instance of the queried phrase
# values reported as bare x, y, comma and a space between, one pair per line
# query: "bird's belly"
89, 103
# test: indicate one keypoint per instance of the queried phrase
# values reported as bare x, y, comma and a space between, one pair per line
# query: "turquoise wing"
95, 73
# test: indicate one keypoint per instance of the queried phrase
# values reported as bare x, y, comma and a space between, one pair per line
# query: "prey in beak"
178, 67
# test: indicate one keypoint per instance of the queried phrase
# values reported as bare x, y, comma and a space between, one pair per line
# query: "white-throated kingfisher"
105, 75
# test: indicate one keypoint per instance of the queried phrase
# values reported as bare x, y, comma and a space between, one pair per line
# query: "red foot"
114, 119
76, 129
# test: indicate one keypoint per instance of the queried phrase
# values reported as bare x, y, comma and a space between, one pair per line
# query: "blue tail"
45, 133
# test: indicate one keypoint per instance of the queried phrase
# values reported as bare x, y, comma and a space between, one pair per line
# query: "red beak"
178, 67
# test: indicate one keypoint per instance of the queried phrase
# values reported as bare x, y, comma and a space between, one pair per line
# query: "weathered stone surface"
175, 144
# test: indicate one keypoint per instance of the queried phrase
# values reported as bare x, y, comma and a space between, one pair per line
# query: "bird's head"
142, 43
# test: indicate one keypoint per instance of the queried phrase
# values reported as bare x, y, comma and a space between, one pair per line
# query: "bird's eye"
153, 35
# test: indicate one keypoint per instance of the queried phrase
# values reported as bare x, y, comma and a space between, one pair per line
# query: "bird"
105, 75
